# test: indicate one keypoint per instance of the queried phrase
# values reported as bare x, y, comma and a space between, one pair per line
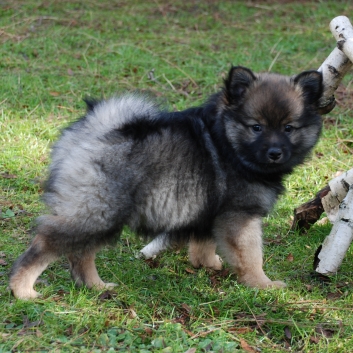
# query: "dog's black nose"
274, 154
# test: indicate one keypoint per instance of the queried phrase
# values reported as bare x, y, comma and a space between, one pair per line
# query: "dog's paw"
110, 285
102, 286
261, 282
276, 284
213, 262
146, 254
105, 286
28, 294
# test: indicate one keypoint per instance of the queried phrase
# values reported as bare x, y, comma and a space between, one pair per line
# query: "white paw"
156, 246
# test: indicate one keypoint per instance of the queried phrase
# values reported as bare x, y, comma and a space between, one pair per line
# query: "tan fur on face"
239, 239
266, 93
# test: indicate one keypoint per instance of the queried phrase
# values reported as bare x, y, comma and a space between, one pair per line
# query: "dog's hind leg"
29, 266
203, 253
83, 270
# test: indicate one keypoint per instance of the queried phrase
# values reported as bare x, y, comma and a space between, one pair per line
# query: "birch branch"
342, 30
338, 63
339, 187
337, 243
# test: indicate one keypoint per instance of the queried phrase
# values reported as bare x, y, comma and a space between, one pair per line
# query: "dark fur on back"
127, 162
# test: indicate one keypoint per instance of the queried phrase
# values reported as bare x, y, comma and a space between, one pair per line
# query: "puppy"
206, 175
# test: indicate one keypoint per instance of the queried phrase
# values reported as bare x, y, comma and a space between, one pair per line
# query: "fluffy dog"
206, 175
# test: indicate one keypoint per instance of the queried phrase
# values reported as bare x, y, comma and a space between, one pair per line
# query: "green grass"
54, 53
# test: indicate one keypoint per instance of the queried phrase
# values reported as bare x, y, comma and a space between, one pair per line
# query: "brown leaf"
290, 257
106, 295
214, 281
309, 287
326, 332
188, 332
246, 346
7, 175
224, 273
148, 331
189, 270
287, 332
191, 350
132, 314
184, 314
152, 263
287, 345
334, 296
314, 339
69, 331
22, 332
54, 94
182, 319
186, 307
240, 330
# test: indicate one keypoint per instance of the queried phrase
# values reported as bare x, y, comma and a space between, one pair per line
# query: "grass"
54, 53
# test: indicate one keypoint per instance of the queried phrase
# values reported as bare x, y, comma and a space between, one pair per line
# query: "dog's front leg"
239, 239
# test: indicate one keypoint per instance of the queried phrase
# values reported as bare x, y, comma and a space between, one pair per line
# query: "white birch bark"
339, 187
337, 243
333, 70
338, 62
342, 30
338, 203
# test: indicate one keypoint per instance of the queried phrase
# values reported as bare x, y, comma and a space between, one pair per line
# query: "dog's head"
271, 120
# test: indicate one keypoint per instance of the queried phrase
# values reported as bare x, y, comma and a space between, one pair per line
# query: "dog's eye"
257, 128
288, 128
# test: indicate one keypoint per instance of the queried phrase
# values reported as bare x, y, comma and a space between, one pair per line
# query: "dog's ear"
238, 81
310, 83
91, 103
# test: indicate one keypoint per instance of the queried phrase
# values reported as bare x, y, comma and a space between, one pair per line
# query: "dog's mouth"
274, 163
266, 165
